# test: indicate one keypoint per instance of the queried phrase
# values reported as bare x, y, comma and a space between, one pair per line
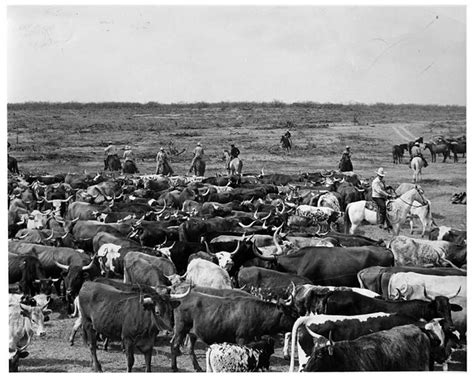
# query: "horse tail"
347, 220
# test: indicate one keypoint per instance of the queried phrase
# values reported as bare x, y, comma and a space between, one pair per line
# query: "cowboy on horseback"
416, 152
162, 165
345, 164
109, 151
380, 196
198, 155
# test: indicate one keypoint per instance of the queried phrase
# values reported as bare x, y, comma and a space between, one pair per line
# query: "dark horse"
199, 167
13, 165
285, 143
345, 163
112, 163
458, 148
397, 152
129, 167
438, 148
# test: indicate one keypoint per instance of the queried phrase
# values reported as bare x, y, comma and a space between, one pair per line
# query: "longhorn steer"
335, 266
134, 317
215, 319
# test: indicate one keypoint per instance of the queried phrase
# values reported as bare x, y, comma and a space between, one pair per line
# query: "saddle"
372, 206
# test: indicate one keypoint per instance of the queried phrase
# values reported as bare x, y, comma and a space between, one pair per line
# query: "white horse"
397, 211
233, 165
416, 165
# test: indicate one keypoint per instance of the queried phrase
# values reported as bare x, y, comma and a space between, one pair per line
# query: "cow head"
74, 276
442, 339
440, 307
225, 258
36, 316
31, 271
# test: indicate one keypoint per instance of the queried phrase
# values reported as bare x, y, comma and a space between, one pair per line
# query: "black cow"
134, 317
333, 266
352, 303
13, 165
403, 348
459, 237
27, 270
352, 240
215, 319
397, 153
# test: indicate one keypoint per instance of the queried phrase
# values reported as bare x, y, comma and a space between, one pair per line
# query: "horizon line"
208, 103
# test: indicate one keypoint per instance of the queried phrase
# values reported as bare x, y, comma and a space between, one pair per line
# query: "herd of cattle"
232, 262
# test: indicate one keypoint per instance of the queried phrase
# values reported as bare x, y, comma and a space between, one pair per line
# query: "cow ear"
456, 308
85, 275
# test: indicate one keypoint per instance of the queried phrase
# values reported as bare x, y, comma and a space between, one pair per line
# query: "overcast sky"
188, 54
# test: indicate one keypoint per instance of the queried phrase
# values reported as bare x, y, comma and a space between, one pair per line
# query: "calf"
226, 357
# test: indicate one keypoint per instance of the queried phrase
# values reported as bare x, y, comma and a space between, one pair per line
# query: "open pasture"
49, 138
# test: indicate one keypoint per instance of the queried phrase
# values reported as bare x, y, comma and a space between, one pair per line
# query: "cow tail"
361, 282
347, 221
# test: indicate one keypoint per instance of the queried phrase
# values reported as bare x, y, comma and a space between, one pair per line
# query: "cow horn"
255, 214
399, 294
89, 266
267, 217
61, 266
176, 297
119, 196
293, 289
311, 333
288, 301
207, 192
360, 190
159, 213
322, 234
249, 225
236, 249
75, 220
331, 344
59, 221
164, 242
259, 255
24, 236
275, 241
50, 237
457, 293
264, 226
64, 236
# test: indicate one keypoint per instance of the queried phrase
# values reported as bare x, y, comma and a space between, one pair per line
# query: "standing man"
380, 195
162, 165
198, 155
109, 151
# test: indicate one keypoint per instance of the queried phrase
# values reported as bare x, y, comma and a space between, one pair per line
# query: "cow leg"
129, 350
176, 341
75, 328
192, 342
91, 339
147, 356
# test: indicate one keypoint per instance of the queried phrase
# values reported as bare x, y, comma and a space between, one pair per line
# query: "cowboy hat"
127, 147
380, 172
161, 148
417, 144
199, 143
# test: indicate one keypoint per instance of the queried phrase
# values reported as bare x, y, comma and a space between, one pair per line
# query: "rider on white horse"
380, 195
234, 153
416, 152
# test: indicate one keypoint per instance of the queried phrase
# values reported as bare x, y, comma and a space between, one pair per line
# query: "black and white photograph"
255, 187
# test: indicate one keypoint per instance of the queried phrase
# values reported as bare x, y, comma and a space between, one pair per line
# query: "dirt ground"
58, 139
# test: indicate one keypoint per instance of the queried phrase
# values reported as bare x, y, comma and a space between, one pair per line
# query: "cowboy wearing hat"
198, 155
109, 151
345, 164
128, 153
162, 164
416, 152
380, 195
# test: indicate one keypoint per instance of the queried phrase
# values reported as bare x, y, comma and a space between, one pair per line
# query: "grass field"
52, 138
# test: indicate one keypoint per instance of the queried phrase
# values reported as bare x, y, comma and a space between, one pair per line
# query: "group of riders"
162, 160
380, 191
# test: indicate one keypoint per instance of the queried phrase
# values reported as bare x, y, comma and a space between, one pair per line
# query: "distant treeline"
354, 107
